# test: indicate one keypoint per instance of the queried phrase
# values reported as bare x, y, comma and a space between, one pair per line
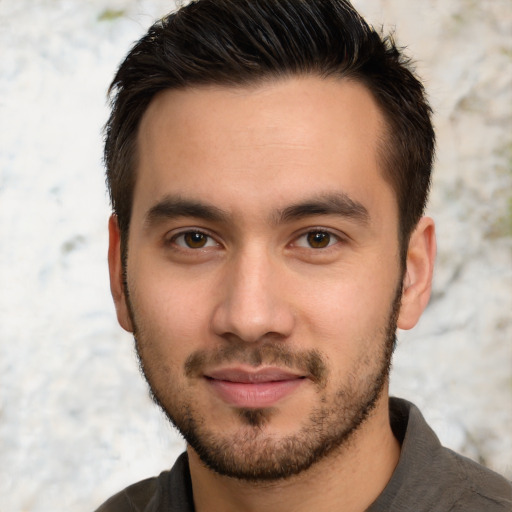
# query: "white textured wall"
76, 423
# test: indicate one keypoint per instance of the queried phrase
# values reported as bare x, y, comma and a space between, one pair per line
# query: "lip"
253, 389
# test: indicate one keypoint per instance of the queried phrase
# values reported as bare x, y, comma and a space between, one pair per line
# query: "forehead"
272, 141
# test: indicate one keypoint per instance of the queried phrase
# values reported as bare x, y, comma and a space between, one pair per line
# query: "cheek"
345, 301
170, 314
347, 317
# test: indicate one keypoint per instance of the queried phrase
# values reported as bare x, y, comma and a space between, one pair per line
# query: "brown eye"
195, 239
318, 239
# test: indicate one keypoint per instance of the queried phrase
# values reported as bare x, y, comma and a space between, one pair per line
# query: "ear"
417, 284
115, 268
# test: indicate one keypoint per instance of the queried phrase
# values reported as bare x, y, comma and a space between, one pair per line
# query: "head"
242, 42
268, 163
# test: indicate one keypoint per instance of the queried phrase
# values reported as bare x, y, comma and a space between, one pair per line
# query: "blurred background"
76, 420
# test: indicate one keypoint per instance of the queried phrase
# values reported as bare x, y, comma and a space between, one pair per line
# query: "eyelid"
338, 236
171, 237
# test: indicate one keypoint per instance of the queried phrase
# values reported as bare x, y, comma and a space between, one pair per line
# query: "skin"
251, 155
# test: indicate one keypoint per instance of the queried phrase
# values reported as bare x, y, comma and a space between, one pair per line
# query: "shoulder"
430, 477
170, 491
478, 488
134, 498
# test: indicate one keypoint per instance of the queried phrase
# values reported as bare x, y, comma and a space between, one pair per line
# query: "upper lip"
268, 374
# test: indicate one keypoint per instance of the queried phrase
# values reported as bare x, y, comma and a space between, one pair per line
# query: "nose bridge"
252, 305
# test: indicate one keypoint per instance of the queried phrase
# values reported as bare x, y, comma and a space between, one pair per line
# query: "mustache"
307, 362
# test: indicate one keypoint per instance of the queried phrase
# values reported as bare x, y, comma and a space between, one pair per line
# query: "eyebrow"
340, 204
325, 204
172, 207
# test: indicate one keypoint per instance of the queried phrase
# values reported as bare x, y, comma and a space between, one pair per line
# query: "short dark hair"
240, 42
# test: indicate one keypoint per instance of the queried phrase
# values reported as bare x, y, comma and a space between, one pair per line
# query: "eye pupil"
195, 240
318, 239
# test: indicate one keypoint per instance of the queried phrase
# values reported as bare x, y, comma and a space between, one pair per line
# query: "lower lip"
254, 395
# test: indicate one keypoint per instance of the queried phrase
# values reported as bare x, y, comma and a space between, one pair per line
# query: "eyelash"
172, 241
333, 239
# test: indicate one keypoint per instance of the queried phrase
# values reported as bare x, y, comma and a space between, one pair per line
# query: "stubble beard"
251, 454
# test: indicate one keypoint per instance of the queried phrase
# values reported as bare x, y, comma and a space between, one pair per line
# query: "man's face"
263, 275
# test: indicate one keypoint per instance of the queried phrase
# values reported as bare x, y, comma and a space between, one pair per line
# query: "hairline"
384, 146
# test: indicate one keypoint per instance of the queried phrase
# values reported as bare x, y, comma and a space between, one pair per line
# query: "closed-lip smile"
253, 388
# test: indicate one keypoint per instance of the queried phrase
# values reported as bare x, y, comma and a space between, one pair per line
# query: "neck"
349, 479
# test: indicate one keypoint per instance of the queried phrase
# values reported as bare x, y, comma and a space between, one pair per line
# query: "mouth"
253, 388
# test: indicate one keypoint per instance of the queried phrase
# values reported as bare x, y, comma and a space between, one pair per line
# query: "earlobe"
116, 274
417, 284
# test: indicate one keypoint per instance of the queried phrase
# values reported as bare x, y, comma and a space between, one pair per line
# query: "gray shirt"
428, 477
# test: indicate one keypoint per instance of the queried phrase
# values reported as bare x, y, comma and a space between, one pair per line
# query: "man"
269, 163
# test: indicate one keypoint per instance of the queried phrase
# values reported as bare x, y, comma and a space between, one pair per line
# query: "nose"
253, 303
